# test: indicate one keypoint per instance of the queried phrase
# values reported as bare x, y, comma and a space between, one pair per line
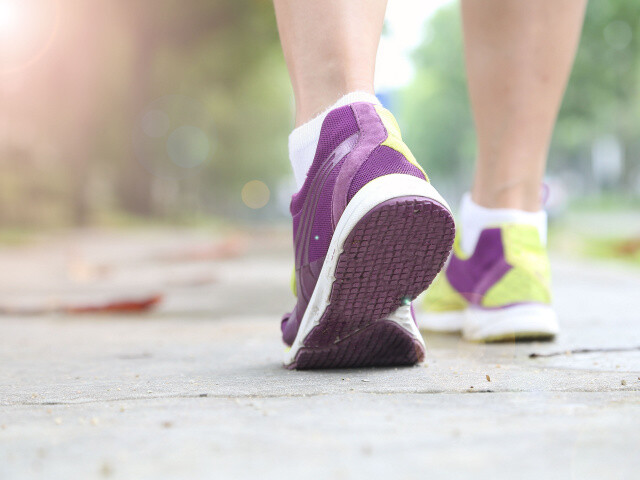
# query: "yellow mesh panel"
394, 138
523, 247
517, 286
457, 249
441, 297
530, 278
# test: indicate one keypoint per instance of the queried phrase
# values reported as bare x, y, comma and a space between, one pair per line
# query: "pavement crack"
166, 397
585, 350
258, 396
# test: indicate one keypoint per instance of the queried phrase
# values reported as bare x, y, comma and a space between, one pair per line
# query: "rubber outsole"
380, 344
390, 256
518, 337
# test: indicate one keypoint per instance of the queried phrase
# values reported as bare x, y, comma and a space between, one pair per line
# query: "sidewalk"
195, 388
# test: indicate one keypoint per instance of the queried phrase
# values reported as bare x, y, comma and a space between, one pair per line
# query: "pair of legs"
518, 59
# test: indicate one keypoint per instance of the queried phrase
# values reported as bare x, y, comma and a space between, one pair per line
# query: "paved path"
195, 389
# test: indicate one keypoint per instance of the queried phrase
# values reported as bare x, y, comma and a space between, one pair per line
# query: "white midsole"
526, 319
368, 197
402, 317
446, 322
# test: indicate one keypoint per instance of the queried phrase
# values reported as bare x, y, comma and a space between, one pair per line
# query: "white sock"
474, 219
303, 141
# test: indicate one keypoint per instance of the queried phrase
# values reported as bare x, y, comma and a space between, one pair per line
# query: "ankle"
474, 218
517, 196
310, 104
303, 141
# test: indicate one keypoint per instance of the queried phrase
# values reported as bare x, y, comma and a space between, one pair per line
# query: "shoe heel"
390, 256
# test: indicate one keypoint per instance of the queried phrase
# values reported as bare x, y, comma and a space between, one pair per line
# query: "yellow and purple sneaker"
500, 292
370, 233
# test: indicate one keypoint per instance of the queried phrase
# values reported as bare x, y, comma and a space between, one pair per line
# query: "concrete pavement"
195, 388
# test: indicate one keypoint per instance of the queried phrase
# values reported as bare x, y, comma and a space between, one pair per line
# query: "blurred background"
144, 177
120, 114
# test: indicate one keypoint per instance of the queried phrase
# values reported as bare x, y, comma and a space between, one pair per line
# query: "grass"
604, 226
605, 245
13, 237
627, 250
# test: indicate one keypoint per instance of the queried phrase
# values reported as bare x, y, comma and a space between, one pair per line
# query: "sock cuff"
474, 218
304, 139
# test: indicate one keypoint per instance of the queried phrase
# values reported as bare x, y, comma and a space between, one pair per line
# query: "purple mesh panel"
473, 277
322, 228
289, 326
339, 125
372, 133
382, 161
317, 192
296, 225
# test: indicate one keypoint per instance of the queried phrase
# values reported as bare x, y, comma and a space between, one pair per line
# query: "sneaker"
501, 292
370, 234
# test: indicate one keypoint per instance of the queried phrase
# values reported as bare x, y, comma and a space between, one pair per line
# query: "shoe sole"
529, 322
390, 243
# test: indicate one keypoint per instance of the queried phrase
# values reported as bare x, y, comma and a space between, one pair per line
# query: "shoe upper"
358, 143
509, 266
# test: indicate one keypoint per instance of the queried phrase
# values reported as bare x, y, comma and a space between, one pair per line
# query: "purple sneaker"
370, 234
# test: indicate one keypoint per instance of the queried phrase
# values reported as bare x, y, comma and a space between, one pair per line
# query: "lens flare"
27, 30
156, 123
11, 17
7, 16
175, 137
188, 146
255, 194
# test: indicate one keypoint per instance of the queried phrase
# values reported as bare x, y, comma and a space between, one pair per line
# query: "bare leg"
330, 47
518, 56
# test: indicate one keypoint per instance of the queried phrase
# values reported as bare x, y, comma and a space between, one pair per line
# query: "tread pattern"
392, 254
380, 344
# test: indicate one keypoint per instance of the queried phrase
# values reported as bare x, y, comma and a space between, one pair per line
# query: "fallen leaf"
130, 305
628, 247
116, 306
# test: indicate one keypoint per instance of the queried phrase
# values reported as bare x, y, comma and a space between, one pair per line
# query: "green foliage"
233, 66
239, 75
603, 96
435, 107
